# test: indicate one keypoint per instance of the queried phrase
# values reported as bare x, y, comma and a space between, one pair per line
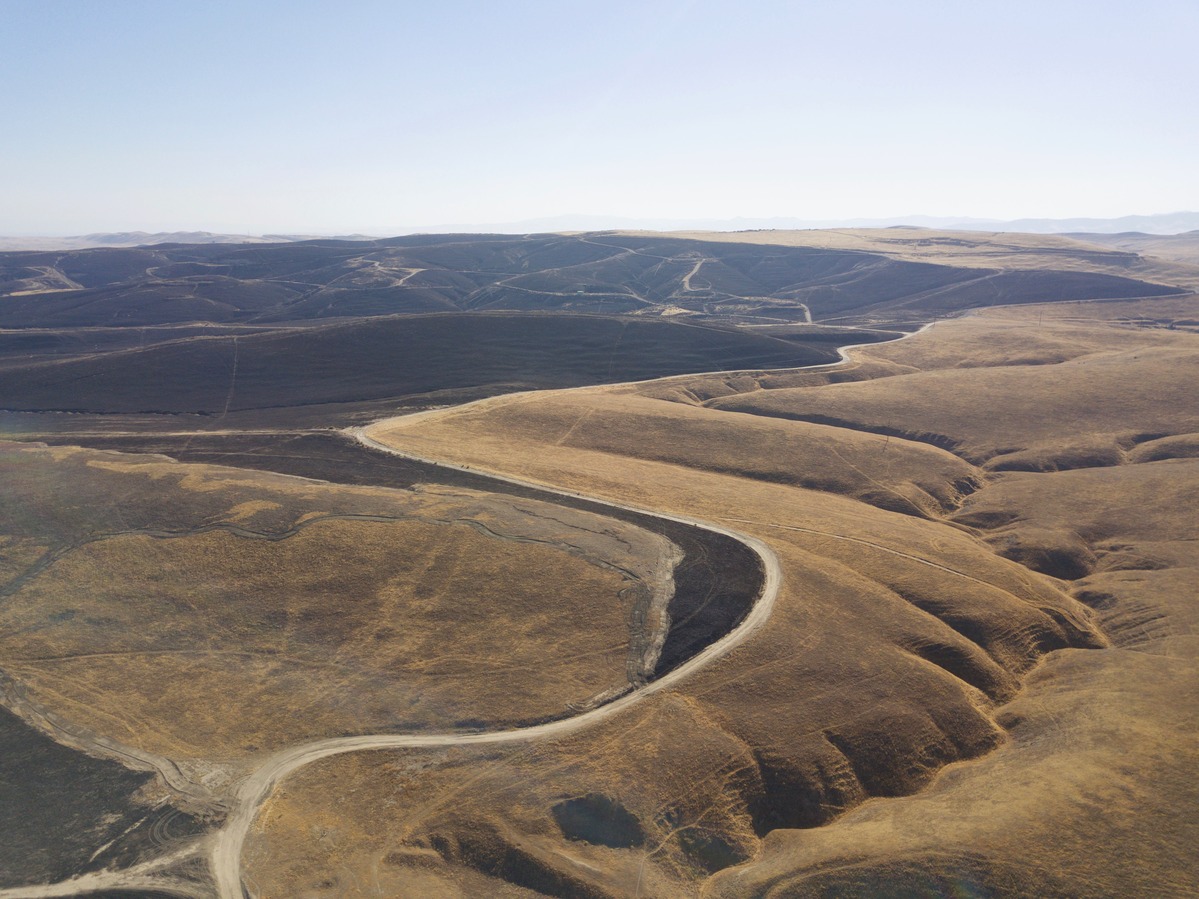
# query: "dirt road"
225, 846
227, 843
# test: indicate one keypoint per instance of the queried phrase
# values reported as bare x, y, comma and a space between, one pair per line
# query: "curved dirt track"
227, 847
228, 841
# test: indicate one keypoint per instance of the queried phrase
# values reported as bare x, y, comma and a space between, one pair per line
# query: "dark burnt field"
406, 359
715, 584
599, 273
328, 332
66, 813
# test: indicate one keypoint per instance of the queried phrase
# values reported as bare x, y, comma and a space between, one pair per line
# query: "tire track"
253, 793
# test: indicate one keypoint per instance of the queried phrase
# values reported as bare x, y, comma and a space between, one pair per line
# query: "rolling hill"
743, 279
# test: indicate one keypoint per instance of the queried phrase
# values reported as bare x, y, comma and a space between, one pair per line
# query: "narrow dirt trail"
151, 876
691, 274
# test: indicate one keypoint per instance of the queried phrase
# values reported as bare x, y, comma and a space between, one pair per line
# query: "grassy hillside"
207, 631
1009, 416
901, 642
978, 673
737, 277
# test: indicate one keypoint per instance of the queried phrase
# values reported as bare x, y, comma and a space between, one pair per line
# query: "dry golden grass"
1182, 248
889, 474
254, 612
1085, 784
424, 823
1073, 396
953, 717
1177, 312
1092, 797
892, 640
1094, 794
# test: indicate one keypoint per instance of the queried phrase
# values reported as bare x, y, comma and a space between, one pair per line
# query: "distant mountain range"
1167, 223
1161, 224
148, 238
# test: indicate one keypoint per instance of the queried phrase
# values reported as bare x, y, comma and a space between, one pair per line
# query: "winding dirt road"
228, 842
227, 845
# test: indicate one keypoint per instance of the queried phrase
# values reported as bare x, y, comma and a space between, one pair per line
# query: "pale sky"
363, 115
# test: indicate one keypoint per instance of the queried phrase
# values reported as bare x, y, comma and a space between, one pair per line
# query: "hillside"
1182, 248
1083, 789
406, 360
329, 331
639, 602
733, 277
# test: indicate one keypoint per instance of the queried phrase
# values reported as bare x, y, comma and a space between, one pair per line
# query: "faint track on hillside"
150, 876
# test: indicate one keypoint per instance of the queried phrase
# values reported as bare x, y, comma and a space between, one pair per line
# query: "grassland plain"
916, 645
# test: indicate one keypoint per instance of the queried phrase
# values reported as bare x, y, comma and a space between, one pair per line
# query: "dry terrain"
972, 669
904, 642
228, 613
1182, 248
1169, 259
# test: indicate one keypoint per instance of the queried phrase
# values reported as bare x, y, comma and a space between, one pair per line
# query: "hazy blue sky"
319, 116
